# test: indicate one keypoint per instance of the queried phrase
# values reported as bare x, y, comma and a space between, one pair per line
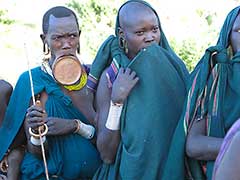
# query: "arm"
36, 117
83, 100
200, 146
5, 93
108, 140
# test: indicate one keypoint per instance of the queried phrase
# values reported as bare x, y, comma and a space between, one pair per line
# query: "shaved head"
138, 27
132, 10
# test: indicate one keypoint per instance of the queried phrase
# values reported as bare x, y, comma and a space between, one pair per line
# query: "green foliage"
4, 19
188, 51
97, 22
191, 49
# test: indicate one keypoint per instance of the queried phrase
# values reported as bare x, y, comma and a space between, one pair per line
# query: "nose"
66, 44
149, 37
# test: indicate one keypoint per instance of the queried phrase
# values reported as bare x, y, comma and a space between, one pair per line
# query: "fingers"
35, 122
121, 71
130, 73
35, 111
34, 114
35, 117
135, 80
133, 75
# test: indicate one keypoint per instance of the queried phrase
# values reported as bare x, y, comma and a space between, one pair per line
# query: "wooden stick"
34, 103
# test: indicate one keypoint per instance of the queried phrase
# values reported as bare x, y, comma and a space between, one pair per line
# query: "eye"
56, 38
73, 35
155, 29
140, 33
238, 30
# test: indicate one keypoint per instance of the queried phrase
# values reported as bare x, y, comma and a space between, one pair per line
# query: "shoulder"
102, 87
5, 87
103, 78
25, 75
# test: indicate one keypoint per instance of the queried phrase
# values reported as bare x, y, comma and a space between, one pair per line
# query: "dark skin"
62, 38
16, 154
6, 91
198, 145
229, 166
139, 29
235, 35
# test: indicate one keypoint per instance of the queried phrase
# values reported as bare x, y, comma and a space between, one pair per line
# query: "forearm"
107, 144
14, 161
203, 147
36, 149
34, 144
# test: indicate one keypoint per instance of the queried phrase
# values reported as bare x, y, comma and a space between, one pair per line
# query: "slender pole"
43, 154
30, 75
34, 103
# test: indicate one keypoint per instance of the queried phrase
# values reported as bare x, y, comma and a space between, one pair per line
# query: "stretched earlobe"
123, 44
78, 48
46, 49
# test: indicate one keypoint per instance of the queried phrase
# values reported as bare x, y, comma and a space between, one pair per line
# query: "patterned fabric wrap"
213, 90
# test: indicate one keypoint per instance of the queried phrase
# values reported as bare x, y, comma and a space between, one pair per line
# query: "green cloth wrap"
213, 89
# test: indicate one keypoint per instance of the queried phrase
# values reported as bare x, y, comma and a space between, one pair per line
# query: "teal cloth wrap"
70, 156
214, 91
151, 112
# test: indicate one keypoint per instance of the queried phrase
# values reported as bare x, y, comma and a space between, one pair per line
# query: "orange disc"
67, 70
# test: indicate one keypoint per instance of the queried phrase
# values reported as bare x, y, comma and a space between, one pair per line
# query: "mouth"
151, 43
65, 54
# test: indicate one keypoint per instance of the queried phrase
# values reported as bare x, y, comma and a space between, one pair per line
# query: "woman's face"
62, 36
141, 31
235, 35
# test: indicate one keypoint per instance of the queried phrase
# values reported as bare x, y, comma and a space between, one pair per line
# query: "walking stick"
39, 128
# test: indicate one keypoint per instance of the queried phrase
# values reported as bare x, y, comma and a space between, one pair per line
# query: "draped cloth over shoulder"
214, 91
110, 50
151, 111
70, 156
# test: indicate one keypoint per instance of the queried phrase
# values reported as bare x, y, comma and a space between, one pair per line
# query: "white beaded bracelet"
35, 138
113, 120
85, 130
36, 141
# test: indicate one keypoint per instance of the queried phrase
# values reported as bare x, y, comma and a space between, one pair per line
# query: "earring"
46, 52
78, 48
46, 49
126, 47
123, 44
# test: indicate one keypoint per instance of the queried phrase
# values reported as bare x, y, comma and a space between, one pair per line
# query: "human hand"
57, 126
35, 117
122, 86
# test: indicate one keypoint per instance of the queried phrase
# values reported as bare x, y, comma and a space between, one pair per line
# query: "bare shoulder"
5, 88
103, 92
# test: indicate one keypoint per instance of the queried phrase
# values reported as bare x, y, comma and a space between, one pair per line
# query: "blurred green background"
190, 26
